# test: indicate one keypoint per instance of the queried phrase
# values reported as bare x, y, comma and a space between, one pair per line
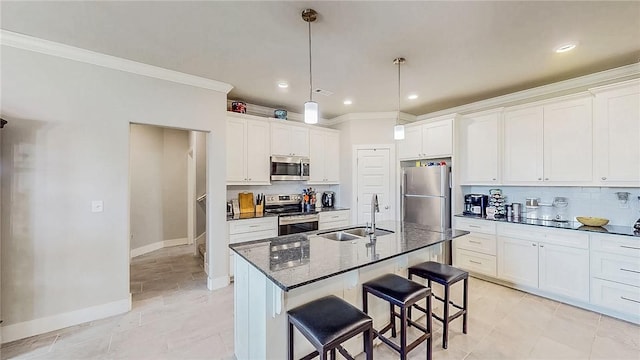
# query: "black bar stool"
399, 291
327, 323
445, 275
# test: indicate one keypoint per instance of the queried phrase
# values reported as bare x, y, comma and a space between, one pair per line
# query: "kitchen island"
277, 274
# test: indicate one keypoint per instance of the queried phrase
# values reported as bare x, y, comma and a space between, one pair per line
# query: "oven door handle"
293, 220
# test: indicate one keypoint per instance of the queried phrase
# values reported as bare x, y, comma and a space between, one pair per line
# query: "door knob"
386, 207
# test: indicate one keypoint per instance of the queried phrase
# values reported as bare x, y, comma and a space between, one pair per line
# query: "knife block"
259, 209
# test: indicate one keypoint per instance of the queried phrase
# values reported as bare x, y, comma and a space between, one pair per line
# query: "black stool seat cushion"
441, 273
327, 318
398, 288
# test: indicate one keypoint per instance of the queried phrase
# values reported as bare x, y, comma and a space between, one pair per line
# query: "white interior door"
374, 177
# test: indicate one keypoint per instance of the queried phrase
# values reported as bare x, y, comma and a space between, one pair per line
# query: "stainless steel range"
291, 218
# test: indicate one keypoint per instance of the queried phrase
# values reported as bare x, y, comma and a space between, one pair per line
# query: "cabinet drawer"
615, 267
569, 238
334, 216
480, 226
476, 262
623, 245
617, 297
483, 243
332, 224
250, 236
253, 225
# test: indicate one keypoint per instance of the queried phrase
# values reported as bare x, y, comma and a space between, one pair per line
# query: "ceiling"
457, 52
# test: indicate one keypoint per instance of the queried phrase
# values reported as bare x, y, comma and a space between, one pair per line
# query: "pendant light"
310, 107
398, 130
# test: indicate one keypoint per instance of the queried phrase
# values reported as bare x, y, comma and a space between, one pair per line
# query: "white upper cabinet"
289, 140
478, 148
431, 140
617, 134
247, 152
549, 143
324, 156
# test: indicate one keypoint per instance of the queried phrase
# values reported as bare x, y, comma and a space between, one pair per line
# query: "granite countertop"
571, 225
257, 216
296, 260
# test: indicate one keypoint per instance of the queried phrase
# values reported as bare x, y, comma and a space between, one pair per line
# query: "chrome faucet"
374, 209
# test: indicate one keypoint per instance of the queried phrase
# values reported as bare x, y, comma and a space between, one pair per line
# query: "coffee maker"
328, 199
475, 204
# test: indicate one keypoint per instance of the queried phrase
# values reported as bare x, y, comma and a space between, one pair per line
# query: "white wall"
158, 168
146, 185
68, 144
174, 183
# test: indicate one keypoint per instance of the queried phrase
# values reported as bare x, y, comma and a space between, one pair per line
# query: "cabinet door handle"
604, 178
541, 245
475, 262
494, 179
626, 298
475, 242
546, 178
533, 244
474, 226
629, 247
629, 270
539, 179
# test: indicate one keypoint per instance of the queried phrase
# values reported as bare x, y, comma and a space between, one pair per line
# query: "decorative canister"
239, 107
280, 114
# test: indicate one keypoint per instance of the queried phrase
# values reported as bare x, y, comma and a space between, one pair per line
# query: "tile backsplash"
583, 201
281, 187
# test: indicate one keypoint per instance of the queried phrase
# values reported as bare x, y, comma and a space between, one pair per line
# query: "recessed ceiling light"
348, 102
412, 96
566, 47
283, 85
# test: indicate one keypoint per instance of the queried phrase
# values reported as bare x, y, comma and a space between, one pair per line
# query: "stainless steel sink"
362, 232
339, 236
352, 234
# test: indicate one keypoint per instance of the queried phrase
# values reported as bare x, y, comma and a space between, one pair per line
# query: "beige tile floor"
174, 316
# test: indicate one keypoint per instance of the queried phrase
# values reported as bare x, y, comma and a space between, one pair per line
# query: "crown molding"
565, 87
30, 43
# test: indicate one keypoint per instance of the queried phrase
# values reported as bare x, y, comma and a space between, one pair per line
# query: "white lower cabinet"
248, 230
615, 274
333, 219
551, 260
476, 252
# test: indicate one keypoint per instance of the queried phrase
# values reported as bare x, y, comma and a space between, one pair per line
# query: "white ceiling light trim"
565, 47
398, 129
310, 107
283, 85
412, 96
30, 43
347, 102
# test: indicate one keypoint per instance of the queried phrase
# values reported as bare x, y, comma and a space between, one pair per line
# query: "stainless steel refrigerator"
426, 199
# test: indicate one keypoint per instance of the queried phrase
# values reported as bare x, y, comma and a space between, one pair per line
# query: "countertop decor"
571, 225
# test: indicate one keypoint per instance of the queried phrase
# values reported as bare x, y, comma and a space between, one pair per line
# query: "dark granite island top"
292, 261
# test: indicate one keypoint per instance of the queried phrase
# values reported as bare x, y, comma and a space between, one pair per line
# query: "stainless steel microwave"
289, 168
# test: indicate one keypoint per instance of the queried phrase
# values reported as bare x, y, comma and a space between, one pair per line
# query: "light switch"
97, 206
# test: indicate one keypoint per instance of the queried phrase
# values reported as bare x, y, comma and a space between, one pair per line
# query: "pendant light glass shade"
398, 132
311, 113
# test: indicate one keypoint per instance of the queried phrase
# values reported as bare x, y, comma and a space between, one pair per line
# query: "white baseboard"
217, 283
43, 325
157, 245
